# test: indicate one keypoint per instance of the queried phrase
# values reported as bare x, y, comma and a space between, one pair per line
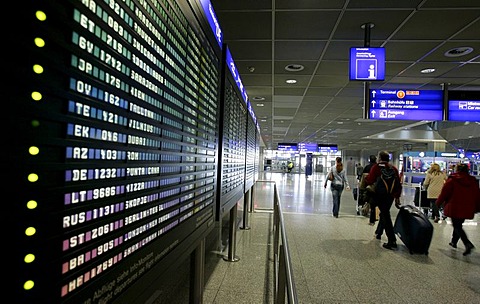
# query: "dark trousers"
459, 233
384, 203
373, 212
435, 212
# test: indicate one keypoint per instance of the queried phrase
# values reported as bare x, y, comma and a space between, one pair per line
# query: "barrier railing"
284, 283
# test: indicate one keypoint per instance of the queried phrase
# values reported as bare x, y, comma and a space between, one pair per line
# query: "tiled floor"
338, 260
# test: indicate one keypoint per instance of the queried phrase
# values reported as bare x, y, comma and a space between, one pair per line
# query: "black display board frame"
123, 192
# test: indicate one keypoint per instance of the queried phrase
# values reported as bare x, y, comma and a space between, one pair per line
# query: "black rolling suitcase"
414, 229
420, 198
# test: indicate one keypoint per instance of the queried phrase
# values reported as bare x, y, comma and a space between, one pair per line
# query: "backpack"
387, 182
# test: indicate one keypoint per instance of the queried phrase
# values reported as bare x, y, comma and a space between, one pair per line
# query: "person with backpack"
338, 179
460, 197
385, 179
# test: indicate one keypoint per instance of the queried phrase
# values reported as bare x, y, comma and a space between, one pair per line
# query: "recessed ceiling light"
291, 81
427, 71
258, 98
460, 51
260, 105
294, 67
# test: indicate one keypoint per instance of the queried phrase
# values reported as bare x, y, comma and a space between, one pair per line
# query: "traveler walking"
388, 189
338, 180
460, 196
366, 196
434, 183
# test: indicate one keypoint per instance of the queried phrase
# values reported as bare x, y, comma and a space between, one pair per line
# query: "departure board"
234, 147
117, 138
251, 145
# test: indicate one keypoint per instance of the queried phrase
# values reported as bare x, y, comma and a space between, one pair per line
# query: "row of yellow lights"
33, 177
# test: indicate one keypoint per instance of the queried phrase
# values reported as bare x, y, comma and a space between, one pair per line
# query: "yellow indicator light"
33, 150
31, 204
36, 96
37, 68
30, 231
39, 42
32, 177
28, 285
29, 258
41, 16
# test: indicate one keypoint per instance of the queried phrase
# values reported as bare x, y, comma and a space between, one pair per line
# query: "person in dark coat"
367, 197
460, 197
385, 201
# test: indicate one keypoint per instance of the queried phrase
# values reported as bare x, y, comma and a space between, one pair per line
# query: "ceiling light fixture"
260, 105
427, 71
291, 81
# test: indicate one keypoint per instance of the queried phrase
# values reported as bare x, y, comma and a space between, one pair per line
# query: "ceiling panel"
319, 34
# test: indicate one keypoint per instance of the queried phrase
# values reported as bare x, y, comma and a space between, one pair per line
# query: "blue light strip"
213, 21
236, 75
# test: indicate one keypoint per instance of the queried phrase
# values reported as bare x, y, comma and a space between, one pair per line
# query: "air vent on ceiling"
294, 67
460, 51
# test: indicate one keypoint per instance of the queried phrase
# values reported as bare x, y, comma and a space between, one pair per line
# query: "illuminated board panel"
307, 147
400, 104
464, 106
250, 153
234, 146
291, 147
123, 138
327, 148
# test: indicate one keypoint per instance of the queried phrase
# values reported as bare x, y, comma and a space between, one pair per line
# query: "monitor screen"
367, 63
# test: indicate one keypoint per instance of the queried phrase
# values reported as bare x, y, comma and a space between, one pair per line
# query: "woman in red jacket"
461, 196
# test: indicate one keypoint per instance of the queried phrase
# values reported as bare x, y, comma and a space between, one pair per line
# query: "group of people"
458, 194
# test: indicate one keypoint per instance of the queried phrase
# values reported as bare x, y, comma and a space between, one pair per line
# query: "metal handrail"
284, 283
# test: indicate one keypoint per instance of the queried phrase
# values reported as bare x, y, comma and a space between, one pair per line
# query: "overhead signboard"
327, 148
307, 147
398, 104
287, 147
463, 106
367, 63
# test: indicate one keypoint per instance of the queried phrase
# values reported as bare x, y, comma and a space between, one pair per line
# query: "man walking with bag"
388, 189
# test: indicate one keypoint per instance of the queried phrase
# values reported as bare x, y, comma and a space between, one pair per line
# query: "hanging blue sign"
398, 104
307, 147
367, 63
327, 148
464, 110
287, 147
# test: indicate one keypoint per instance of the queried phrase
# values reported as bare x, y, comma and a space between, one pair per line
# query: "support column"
436, 146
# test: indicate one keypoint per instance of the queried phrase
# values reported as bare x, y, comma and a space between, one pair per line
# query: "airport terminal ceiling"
309, 41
